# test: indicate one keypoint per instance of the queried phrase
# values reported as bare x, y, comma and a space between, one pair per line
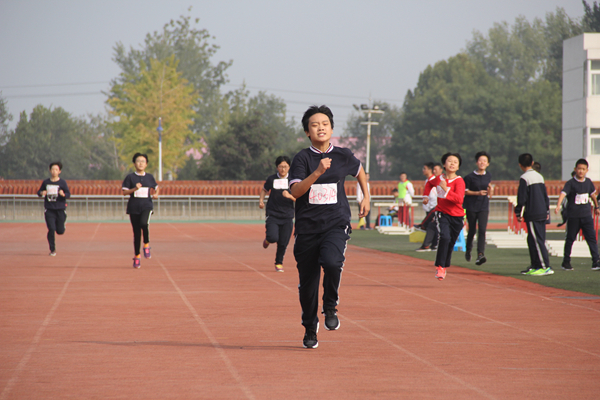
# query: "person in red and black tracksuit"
533, 206
280, 210
317, 177
55, 192
449, 212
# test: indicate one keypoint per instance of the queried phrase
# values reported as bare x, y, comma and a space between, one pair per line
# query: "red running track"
209, 318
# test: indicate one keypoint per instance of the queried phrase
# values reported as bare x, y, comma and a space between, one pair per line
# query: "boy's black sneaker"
567, 266
332, 322
468, 255
528, 270
596, 266
480, 259
310, 339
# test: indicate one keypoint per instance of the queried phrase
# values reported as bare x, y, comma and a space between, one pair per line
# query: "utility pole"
369, 111
160, 130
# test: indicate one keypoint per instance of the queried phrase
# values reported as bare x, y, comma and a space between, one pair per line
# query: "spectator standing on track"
359, 198
578, 191
533, 206
406, 192
479, 190
138, 186
428, 174
55, 192
430, 242
280, 210
323, 215
449, 212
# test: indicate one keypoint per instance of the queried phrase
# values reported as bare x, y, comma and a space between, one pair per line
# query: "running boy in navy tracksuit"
280, 210
317, 178
533, 197
138, 186
579, 190
55, 192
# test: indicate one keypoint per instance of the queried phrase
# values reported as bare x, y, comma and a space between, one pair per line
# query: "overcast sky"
59, 53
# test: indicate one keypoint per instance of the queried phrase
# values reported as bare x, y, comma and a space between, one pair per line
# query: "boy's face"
283, 168
581, 171
403, 177
395, 194
55, 171
452, 164
426, 171
483, 163
437, 170
319, 129
140, 163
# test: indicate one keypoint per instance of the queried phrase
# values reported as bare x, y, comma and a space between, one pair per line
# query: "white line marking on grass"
38, 336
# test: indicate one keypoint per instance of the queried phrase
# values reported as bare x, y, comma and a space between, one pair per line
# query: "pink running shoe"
147, 252
136, 262
440, 273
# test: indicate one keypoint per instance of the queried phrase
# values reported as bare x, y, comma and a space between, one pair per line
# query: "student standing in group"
579, 190
430, 242
428, 208
406, 192
449, 211
533, 206
280, 210
323, 216
139, 186
55, 192
477, 204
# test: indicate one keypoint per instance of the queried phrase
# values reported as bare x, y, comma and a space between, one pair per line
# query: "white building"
581, 104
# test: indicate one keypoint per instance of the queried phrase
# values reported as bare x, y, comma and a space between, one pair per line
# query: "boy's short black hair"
537, 167
57, 163
312, 110
526, 160
136, 155
437, 164
281, 159
483, 153
429, 165
582, 161
394, 190
445, 157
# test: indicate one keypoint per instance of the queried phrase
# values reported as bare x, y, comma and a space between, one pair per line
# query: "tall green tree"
257, 132
193, 49
591, 17
458, 106
5, 118
49, 135
158, 91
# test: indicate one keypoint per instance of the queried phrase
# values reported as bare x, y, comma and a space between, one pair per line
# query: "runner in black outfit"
55, 192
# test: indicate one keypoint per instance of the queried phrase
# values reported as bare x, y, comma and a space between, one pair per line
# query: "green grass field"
506, 262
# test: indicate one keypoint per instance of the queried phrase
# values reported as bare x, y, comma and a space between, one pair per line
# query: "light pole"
369, 111
160, 130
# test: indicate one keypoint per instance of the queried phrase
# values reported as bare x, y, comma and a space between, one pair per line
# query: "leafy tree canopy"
157, 91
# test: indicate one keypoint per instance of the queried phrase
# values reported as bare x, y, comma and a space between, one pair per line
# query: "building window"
595, 72
595, 141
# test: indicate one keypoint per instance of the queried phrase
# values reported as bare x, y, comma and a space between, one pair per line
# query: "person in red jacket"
449, 210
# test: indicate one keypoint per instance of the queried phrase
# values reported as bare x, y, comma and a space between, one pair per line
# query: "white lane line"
36, 339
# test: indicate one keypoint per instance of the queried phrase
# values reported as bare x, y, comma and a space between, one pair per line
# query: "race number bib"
141, 192
52, 192
280, 184
441, 193
583, 198
324, 193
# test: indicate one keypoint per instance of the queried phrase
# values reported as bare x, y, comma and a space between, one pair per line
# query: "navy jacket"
533, 196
